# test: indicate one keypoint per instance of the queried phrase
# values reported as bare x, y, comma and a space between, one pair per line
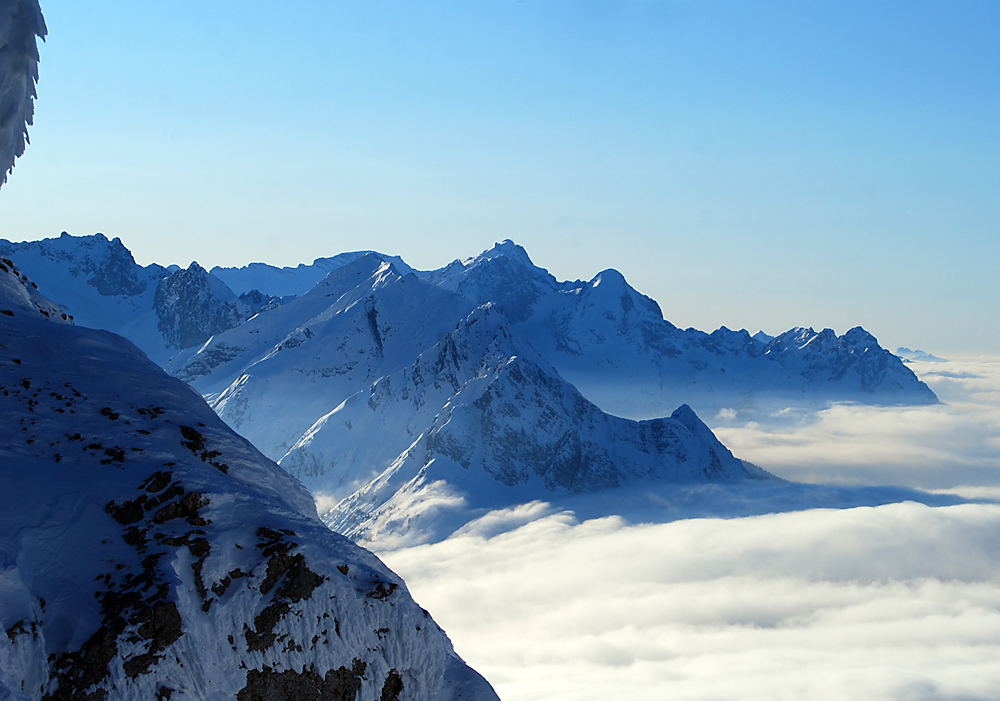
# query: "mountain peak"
611, 276
859, 335
685, 414
506, 248
370, 265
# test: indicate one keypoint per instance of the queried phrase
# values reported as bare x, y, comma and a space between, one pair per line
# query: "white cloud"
948, 445
900, 601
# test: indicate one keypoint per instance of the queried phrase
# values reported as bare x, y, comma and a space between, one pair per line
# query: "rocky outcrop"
116, 273
192, 306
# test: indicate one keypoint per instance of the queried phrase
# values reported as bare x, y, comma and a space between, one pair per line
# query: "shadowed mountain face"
192, 306
150, 552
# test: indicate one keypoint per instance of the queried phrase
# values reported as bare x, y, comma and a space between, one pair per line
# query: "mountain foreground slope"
150, 552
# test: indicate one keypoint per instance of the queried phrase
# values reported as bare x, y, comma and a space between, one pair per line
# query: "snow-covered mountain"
602, 335
614, 345
304, 380
274, 376
148, 552
908, 356
388, 391
161, 310
478, 422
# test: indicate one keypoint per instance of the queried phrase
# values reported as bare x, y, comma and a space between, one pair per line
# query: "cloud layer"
936, 447
900, 601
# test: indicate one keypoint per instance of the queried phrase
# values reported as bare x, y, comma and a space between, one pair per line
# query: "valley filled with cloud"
900, 600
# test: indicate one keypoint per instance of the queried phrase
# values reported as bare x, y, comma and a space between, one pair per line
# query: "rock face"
192, 306
116, 273
20, 23
148, 552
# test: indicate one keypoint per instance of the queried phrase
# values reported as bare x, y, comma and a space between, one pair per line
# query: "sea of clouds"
896, 601
944, 446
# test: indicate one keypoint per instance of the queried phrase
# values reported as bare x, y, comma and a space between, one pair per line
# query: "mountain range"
602, 335
410, 402
161, 309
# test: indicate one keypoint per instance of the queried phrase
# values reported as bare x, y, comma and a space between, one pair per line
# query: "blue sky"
758, 165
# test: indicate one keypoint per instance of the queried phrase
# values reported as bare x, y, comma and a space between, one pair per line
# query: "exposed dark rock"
382, 591
337, 685
298, 583
193, 305
392, 687
187, 508
193, 440
118, 273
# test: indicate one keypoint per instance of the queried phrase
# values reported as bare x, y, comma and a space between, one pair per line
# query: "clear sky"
753, 164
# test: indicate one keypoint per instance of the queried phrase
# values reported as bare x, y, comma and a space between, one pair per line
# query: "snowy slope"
480, 422
275, 375
20, 22
148, 552
614, 345
19, 296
